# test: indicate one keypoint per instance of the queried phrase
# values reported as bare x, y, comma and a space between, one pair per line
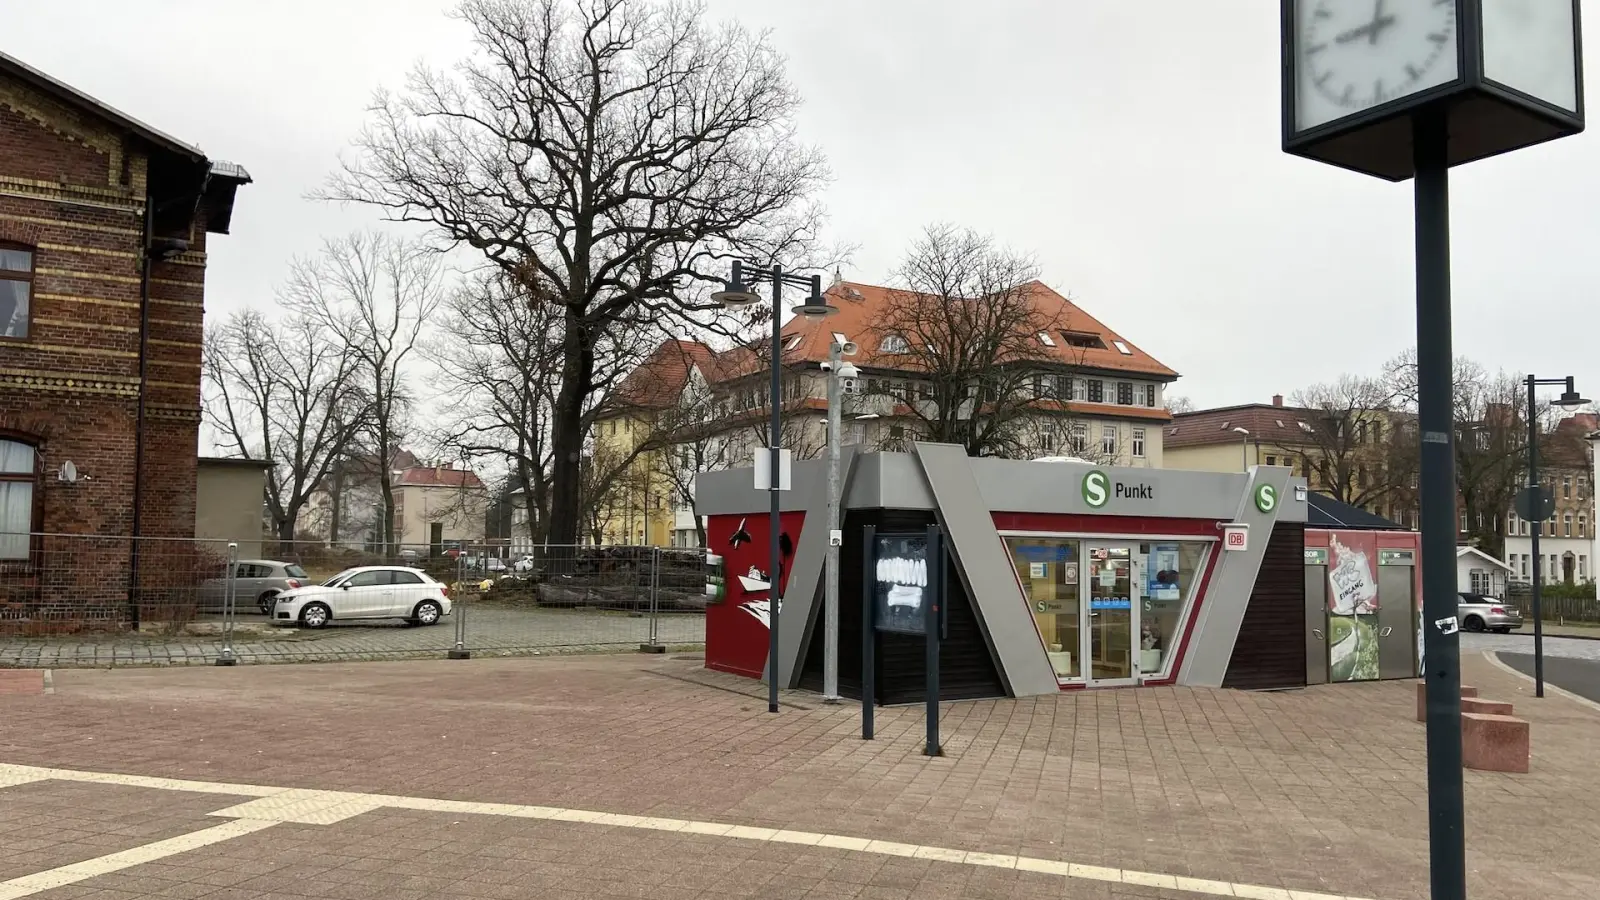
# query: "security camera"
827, 366
849, 370
849, 384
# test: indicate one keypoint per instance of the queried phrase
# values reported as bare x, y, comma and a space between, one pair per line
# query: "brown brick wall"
72, 187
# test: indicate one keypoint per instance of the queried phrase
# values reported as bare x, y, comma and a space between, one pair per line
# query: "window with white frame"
1138, 443
1583, 565
1566, 522
1108, 440
1080, 438
894, 343
1583, 526
1525, 558
1480, 581
17, 485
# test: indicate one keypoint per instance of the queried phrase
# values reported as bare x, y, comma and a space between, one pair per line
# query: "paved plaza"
646, 776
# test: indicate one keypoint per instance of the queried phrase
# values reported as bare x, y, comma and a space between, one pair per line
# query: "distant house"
1479, 573
439, 506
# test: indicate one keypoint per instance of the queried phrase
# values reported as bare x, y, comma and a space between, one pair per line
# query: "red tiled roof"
431, 476
861, 307
1267, 424
658, 382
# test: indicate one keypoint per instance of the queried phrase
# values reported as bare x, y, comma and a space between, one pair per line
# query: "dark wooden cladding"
1270, 651
967, 670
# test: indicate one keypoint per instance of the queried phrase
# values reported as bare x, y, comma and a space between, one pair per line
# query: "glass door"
1111, 642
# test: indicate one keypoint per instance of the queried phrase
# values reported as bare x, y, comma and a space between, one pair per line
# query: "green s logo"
1096, 489
1266, 498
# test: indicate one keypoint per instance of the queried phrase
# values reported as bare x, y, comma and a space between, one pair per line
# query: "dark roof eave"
74, 97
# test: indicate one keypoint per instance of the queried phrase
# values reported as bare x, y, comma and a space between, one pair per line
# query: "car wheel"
1473, 623
265, 601
315, 615
427, 613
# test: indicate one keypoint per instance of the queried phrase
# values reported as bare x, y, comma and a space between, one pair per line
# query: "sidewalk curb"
1493, 657
1572, 637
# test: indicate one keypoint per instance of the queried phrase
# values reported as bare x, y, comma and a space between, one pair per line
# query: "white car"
366, 592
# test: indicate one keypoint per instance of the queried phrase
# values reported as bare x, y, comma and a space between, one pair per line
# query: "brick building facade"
103, 229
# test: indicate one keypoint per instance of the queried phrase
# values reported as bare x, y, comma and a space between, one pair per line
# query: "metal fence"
93, 600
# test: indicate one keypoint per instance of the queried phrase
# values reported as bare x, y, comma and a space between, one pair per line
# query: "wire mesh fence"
93, 600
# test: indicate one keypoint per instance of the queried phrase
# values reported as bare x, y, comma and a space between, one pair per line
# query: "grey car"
257, 583
1479, 613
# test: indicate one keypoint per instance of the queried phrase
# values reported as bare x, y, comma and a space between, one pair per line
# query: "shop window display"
1048, 568
1171, 569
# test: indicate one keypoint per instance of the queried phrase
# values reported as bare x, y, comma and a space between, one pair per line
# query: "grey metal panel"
1397, 622
895, 481
802, 590
1316, 624
991, 581
888, 481
733, 490
1010, 485
1216, 626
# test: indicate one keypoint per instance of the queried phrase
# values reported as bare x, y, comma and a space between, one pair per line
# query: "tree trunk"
566, 428
335, 505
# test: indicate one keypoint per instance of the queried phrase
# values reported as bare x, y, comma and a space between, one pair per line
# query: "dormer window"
1083, 340
894, 343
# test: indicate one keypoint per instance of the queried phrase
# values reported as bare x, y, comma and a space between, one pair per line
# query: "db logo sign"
1236, 537
1096, 489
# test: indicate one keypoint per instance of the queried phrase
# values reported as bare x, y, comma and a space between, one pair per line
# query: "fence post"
653, 645
230, 604
458, 609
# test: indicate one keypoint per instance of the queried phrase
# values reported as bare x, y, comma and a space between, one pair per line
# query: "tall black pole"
1538, 561
869, 632
1441, 643
775, 526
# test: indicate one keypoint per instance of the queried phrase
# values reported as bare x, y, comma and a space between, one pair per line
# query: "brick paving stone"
48, 824
1315, 790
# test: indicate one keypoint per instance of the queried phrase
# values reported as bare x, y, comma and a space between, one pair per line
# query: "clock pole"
1436, 422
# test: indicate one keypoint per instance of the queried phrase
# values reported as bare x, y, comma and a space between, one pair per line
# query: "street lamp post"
840, 373
1532, 505
736, 293
1244, 447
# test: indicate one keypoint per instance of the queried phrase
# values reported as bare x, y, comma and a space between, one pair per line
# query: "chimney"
1277, 399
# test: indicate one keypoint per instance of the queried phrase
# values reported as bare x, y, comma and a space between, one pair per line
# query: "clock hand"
1369, 31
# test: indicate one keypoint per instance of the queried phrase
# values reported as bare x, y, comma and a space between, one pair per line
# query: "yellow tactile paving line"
273, 805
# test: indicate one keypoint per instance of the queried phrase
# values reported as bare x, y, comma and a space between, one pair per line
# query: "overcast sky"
1134, 147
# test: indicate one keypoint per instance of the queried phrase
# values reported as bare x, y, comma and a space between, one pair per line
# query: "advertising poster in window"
1352, 611
1161, 573
902, 583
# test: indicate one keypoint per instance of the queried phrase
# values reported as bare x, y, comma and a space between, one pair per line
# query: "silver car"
1479, 613
257, 582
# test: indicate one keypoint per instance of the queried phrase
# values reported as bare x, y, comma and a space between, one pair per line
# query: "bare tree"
1351, 436
604, 153
1491, 428
373, 294
284, 392
1179, 405
958, 347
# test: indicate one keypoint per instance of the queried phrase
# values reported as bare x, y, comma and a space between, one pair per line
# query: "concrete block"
1494, 743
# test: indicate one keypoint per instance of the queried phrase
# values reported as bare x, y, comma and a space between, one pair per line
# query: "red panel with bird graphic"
737, 626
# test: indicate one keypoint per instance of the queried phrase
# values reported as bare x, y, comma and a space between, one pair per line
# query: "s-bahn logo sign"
1099, 488
1266, 498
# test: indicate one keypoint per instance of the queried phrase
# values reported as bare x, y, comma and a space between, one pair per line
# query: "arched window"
17, 486
894, 343
16, 291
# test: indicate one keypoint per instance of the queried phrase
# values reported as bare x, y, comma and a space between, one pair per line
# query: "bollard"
230, 602
653, 644
459, 610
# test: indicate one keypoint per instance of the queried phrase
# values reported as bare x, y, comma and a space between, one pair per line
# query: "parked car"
366, 592
1479, 613
257, 582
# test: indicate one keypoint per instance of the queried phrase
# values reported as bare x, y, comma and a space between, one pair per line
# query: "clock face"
1353, 55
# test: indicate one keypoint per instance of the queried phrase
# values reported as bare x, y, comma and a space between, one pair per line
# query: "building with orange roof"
1091, 393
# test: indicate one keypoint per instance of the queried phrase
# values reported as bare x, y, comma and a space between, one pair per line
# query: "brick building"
103, 228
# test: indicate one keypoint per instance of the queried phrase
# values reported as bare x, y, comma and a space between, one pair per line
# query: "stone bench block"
1487, 707
1494, 743
1422, 698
